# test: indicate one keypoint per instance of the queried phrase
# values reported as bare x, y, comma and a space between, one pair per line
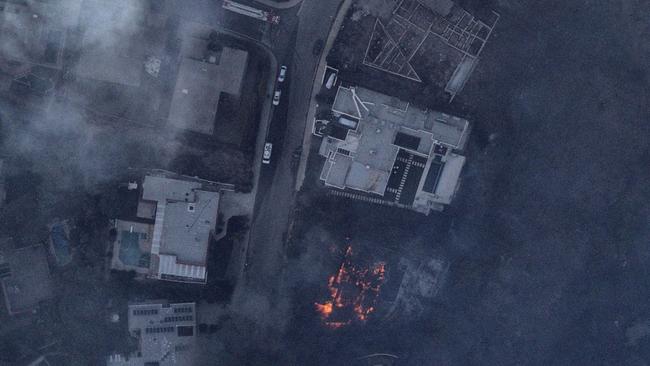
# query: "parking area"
405, 177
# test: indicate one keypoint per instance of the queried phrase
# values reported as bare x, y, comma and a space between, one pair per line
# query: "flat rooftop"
159, 189
389, 150
202, 78
165, 332
386, 111
185, 215
186, 231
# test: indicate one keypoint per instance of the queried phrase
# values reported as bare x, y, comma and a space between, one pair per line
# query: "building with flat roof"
25, 276
170, 242
388, 148
165, 334
204, 75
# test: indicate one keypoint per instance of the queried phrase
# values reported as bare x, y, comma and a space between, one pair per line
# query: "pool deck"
145, 233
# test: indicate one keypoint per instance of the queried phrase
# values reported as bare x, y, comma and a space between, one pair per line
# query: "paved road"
266, 252
279, 4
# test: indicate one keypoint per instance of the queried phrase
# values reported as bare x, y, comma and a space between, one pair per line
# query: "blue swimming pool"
130, 253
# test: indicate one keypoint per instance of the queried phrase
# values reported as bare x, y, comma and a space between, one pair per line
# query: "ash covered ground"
547, 241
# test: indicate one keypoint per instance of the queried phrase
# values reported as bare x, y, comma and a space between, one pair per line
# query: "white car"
283, 73
276, 97
266, 156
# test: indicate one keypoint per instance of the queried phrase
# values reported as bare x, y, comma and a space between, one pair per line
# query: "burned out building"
393, 152
415, 282
403, 39
25, 276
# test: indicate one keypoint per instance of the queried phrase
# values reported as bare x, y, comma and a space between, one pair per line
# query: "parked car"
331, 81
266, 156
276, 97
318, 47
283, 73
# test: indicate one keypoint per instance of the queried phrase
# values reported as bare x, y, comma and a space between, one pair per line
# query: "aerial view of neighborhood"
324, 182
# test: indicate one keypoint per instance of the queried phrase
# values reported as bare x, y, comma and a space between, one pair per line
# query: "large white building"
382, 146
175, 246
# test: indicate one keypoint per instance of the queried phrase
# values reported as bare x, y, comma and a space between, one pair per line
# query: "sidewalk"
236, 204
320, 72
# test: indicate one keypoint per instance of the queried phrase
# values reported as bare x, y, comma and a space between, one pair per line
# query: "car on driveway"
283, 73
276, 97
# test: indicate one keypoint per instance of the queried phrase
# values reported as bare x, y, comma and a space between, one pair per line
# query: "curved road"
293, 42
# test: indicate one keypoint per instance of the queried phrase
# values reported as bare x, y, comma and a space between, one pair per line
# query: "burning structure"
397, 287
353, 292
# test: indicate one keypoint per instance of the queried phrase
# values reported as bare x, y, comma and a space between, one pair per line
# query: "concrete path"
320, 72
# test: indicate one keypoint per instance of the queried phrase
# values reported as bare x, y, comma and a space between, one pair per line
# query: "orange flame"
351, 288
325, 309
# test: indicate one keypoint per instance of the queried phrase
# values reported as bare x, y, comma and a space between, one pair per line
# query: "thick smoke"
68, 134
